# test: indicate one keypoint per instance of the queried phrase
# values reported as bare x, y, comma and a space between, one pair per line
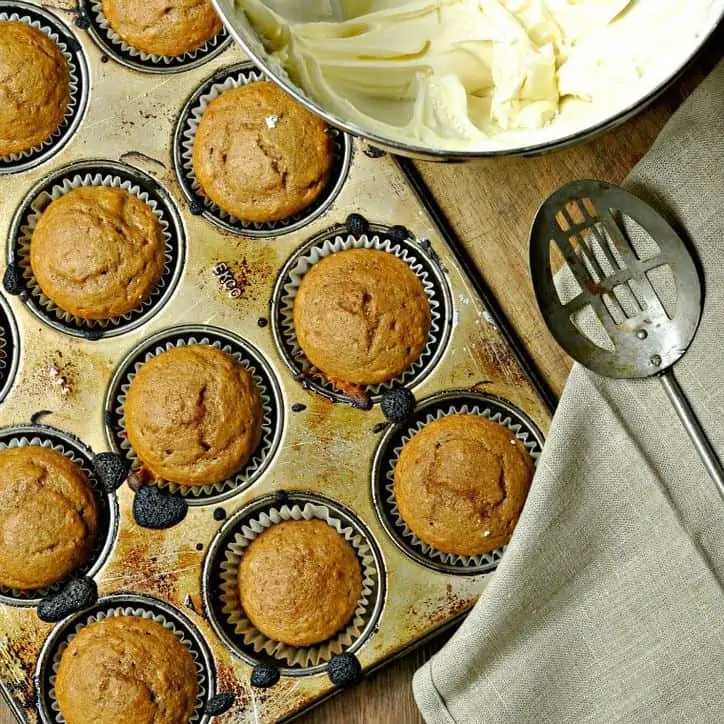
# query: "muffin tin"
230, 284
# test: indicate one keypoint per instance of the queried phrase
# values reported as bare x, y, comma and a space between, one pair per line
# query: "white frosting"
478, 74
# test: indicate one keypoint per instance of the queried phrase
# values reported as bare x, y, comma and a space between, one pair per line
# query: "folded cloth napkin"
608, 605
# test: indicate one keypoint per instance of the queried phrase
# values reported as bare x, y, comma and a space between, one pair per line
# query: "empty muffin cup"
234, 77
221, 586
115, 606
116, 47
106, 504
244, 353
336, 240
93, 174
461, 402
47, 23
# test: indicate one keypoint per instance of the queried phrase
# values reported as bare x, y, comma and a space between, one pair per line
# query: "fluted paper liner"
343, 242
167, 623
231, 606
101, 535
41, 202
515, 426
236, 78
74, 83
208, 48
256, 462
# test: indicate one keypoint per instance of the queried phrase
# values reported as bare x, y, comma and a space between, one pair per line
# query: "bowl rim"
427, 153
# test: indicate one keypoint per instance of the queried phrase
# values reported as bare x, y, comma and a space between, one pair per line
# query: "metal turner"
620, 291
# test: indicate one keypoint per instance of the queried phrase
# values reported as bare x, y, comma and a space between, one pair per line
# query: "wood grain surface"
491, 204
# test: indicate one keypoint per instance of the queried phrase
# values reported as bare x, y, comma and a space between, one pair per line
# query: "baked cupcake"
461, 482
193, 415
361, 316
261, 156
97, 252
300, 582
34, 87
128, 670
163, 27
48, 517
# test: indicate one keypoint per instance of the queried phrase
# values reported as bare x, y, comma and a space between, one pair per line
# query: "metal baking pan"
62, 382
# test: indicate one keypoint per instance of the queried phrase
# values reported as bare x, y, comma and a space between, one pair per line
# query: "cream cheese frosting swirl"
438, 72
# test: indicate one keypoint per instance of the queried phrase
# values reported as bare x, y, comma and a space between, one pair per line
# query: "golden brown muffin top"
362, 316
300, 582
34, 87
126, 670
261, 156
163, 27
97, 252
48, 517
461, 483
193, 415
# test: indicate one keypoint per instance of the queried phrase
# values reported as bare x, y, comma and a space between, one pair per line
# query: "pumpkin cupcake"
361, 316
126, 669
193, 415
259, 155
300, 582
48, 517
97, 252
163, 27
34, 87
461, 483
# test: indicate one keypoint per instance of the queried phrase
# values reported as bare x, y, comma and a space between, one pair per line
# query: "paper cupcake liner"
106, 523
9, 348
204, 682
20, 161
403, 534
40, 203
291, 279
234, 77
252, 638
126, 54
271, 422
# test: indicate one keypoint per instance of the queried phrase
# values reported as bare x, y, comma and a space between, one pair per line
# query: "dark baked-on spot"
398, 404
264, 676
112, 469
399, 233
298, 407
219, 704
157, 509
12, 280
357, 224
76, 595
345, 670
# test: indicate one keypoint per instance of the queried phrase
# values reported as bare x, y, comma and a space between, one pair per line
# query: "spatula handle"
694, 429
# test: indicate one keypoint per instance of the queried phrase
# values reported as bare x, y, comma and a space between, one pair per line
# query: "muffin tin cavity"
221, 596
59, 183
122, 605
73, 449
9, 348
56, 29
114, 46
243, 352
337, 239
433, 408
226, 79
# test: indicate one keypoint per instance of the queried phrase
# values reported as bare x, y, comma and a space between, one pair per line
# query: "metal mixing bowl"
249, 40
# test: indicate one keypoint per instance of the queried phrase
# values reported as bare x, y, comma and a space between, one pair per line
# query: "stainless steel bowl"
245, 35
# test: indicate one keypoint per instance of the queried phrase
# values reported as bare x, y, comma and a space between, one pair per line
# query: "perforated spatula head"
595, 256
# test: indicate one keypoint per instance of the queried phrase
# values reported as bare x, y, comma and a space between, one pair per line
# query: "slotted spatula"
593, 272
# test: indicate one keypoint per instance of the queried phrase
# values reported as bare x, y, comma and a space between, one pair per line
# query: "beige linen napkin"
608, 605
